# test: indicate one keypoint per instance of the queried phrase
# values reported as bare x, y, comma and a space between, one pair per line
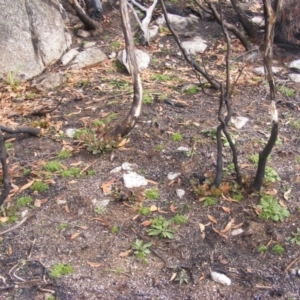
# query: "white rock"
172, 175
239, 122
61, 202
101, 203
48, 82
69, 56
183, 149
237, 231
133, 179
153, 31
112, 55
180, 193
295, 77
70, 132
142, 59
258, 20
196, 45
295, 64
116, 170
178, 23
220, 278
24, 213
90, 56
261, 70
89, 45
126, 166
83, 33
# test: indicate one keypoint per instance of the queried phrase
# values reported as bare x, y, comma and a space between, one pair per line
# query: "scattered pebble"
132, 179
180, 193
61, 202
239, 122
172, 175
112, 55
70, 132
220, 278
183, 149
24, 213
101, 203
126, 166
116, 170
237, 231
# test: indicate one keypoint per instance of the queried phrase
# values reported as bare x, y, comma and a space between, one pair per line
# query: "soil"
63, 225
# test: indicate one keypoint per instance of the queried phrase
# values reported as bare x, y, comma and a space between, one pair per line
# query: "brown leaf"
125, 254
226, 209
153, 208
151, 181
173, 208
212, 219
237, 225
173, 276
172, 182
243, 166
93, 265
75, 235
225, 187
67, 209
146, 223
27, 185
106, 186
202, 227
123, 143
228, 226
4, 219
219, 233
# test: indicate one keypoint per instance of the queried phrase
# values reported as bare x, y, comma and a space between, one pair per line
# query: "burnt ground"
63, 226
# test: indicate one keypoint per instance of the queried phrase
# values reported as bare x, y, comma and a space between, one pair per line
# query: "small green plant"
26, 171
52, 166
191, 90
11, 77
115, 45
99, 210
147, 98
278, 249
59, 270
271, 175
210, 132
114, 229
73, 171
90, 172
62, 226
8, 145
253, 158
179, 219
151, 194
63, 154
295, 124
161, 77
209, 201
182, 277
176, 137
298, 160
159, 148
31, 95
237, 196
50, 297
80, 132
144, 210
39, 186
262, 248
270, 209
160, 227
23, 201
287, 92
141, 249
295, 237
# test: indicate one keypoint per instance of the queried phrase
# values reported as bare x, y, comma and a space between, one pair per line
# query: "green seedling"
151, 194
182, 277
295, 124
26, 172
287, 92
52, 166
179, 219
39, 186
159, 148
62, 226
298, 160
270, 209
144, 210
295, 238
90, 172
31, 95
253, 158
24, 201
8, 145
262, 248
63, 154
147, 98
278, 249
114, 229
115, 45
70, 172
161, 77
49, 297
271, 175
59, 270
210, 132
176, 137
80, 132
99, 210
209, 201
141, 250
160, 227
191, 90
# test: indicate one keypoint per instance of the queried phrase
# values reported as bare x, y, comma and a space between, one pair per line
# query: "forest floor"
73, 245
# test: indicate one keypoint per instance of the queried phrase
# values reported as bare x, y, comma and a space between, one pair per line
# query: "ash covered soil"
66, 224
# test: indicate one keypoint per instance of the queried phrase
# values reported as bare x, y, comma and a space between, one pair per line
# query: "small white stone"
89, 45
258, 20
261, 70
239, 122
294, 77
180, 193
101, 203
221, 278
70, 132
237, 231
24, 213
126, 166
112, 55
183, 149
172, 175
70, 55
61, 202
116, 170
133, 179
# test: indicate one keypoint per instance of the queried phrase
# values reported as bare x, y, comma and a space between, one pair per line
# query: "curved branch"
6, 183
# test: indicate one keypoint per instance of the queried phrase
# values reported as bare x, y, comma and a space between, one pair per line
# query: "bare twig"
29, 215
6, 183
